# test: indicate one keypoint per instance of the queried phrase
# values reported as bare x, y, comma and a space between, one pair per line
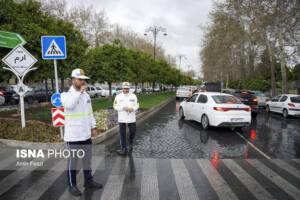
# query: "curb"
96, 140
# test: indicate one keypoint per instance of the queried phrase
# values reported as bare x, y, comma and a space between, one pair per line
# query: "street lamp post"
155, 30
180, 56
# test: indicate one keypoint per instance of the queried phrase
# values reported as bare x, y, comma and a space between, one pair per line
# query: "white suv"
92, 91
286, 104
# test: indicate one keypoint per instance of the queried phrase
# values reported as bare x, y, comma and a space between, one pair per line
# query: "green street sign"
10, 40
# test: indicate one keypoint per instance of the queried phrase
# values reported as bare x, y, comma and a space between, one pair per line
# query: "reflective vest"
79, 115
123, 100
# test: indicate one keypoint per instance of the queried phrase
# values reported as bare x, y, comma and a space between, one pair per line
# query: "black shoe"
93, 184
122, 152
130, 148
74, 191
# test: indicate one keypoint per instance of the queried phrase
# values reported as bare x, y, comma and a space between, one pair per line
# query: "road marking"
253, 146
275, 178
149, 183
113, 187
37, 189
215, 179
12, 179
183, 181
95, 163
252, 185
296, 160
290, 169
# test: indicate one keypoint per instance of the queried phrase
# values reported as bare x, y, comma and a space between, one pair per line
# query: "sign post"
54, 47
20, 62
10, 40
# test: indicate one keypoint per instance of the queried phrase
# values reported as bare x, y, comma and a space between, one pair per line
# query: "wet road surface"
176, 160
164, 136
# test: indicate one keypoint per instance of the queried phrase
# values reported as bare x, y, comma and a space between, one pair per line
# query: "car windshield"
295, 99
260, 94
224, 99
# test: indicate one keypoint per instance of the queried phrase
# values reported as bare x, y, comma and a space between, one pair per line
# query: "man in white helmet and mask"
79, 125
126, 104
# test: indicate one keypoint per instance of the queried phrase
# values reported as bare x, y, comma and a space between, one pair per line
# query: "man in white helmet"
79, 125
126, 104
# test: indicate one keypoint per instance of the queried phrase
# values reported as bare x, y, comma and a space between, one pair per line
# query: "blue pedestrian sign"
54, 47
56, 100
222, 83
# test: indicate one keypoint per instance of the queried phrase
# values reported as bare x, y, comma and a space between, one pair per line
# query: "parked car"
215, 109
247, 98
11, 97
183, 92
105, 93
156, 89
99, 91
39, 94
286, 104
262, 99
2, 98
138, 90
92, 91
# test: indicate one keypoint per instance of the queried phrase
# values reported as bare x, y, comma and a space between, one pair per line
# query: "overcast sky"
181, 18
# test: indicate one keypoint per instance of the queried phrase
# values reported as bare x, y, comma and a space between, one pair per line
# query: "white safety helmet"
126, 85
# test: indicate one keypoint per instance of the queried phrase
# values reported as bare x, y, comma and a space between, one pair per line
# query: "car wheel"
285, 113
205, 122
268, 109
181, 114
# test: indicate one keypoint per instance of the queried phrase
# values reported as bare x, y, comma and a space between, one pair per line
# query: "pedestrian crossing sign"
54, 47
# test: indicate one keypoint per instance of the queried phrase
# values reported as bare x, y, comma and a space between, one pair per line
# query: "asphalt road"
164, 136
174, 160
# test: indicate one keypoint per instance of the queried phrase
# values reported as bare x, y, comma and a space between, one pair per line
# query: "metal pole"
56, 76
57, 91
154, 46
22, 110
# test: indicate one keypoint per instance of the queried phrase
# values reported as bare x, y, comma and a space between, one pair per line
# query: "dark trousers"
132, 130
86, 146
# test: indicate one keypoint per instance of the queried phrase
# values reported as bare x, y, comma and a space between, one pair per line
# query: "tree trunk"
282, 64
153, 85
273, 80
46, 92
62, 85
52, 84
109, 96
251, 62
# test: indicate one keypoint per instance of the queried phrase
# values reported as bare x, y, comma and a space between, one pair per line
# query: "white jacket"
79, 115
122, 100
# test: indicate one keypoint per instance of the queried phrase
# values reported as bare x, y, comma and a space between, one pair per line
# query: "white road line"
248, 181
114, 185
183, 181
37, 189
215, 179
275, 178
253, 146
292, 170
296, 160
12, 179
149, 182
80, 180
